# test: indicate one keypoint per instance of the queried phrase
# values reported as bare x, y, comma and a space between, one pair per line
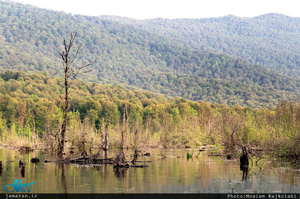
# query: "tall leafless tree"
68, 58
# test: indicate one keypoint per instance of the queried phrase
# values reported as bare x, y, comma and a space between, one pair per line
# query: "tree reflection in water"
245, 170
63, 176
120, 172
23, 171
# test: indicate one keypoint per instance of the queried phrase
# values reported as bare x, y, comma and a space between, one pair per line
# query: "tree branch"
74, 57
78, 71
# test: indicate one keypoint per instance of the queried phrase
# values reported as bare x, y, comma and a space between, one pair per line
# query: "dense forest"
31, 110
271, 40
130, 56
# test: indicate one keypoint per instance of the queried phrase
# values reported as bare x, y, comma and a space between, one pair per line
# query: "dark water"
173, 174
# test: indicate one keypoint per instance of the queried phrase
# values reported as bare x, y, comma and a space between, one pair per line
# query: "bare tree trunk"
122, 140
122, 132
64, 124
106, 143
70, 72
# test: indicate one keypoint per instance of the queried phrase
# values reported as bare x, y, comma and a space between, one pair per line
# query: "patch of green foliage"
136, 58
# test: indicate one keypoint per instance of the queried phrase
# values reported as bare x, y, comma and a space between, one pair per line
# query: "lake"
171, 174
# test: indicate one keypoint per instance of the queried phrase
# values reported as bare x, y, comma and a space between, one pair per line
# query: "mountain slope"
135, 58
271, 40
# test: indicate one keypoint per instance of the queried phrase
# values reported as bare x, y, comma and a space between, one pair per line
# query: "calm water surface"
173, 174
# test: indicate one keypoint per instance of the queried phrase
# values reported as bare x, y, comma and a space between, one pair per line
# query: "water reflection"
61, 167
21, 163
120, 172
245, 173
170, 174
22, 171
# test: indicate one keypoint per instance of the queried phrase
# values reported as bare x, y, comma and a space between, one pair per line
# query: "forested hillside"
136, 58
24, 98
31, 107
271, 40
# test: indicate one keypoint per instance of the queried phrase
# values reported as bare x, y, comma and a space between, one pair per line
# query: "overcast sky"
143, 9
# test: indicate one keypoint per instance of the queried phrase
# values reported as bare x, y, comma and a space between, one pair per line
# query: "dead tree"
244, 159
106, 142
68, 59
134, 157
119, 160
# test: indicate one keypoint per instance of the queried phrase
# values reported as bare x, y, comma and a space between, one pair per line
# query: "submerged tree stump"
21, 163
134, 157
35, 160
120, 160
244, 159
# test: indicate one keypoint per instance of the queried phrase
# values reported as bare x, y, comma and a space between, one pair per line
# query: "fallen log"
138, 166
139, 161
103, 161
58, 161
85, 160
